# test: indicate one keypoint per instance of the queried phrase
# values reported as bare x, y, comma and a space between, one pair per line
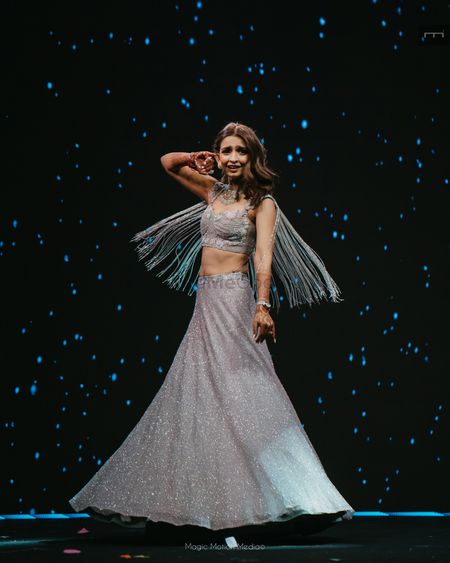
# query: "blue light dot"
304, 124
39, 359
412, 441
49, 85
191, 41
322, 21
239, 89
147, 40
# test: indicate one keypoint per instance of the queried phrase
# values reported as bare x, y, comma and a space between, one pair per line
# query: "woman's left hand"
263, 325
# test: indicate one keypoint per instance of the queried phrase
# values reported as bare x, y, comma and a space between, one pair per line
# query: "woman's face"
233, 156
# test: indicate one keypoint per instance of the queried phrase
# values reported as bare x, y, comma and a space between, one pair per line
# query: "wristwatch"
266, 304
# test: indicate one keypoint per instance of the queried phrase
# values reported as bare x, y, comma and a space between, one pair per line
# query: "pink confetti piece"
71, 551
83, 531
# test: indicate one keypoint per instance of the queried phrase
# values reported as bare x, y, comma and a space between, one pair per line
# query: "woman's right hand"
203, 162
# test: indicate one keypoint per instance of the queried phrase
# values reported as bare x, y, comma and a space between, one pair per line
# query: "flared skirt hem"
131, 521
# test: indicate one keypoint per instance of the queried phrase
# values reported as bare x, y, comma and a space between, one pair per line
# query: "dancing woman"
221, 446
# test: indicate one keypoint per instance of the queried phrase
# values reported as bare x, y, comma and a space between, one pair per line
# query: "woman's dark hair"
258, 179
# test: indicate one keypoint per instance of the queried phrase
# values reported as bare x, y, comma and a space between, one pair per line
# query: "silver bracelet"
265, 303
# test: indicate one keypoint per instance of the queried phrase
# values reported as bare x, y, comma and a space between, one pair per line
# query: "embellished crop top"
230, 230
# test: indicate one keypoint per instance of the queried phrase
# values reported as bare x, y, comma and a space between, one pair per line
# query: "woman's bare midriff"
216, 261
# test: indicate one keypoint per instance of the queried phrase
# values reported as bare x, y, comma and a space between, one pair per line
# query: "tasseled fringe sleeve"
178, 237
297, 268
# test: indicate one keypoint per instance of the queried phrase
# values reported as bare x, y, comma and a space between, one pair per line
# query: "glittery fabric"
231, 230
220, 445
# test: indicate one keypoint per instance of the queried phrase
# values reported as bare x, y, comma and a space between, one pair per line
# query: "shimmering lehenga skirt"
220, 446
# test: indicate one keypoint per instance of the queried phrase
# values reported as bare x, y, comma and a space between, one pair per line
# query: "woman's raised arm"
186, 168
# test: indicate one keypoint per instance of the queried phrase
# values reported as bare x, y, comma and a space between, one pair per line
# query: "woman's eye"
242, 151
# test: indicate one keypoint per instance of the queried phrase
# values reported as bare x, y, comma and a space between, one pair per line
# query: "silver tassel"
179, 234
297, 267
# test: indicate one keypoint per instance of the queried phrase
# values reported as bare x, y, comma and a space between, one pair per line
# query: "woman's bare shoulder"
199, 184
266, 203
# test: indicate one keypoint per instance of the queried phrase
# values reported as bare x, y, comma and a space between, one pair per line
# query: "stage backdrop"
353, 109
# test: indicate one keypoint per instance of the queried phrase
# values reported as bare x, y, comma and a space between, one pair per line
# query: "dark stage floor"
372, 539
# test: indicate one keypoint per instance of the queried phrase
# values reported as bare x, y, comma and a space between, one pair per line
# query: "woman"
221, 446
